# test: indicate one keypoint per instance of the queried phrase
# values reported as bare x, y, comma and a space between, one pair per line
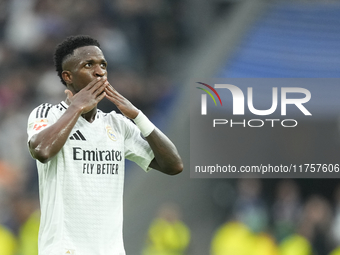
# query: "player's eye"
103, 65
88, 65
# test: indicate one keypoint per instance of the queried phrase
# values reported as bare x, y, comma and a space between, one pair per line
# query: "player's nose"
99, 71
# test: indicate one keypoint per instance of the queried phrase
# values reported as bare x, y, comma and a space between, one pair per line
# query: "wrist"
134, 114
77, 110
144, 124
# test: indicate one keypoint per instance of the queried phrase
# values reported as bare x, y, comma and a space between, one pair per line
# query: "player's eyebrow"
92, 60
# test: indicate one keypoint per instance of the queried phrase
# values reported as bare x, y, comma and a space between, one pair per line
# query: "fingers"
97, 81
109, 91
100, 97
112, 92
99, 86
124, 105
113, 95
68, 93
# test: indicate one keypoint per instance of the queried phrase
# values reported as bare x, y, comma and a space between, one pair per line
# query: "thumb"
68, 93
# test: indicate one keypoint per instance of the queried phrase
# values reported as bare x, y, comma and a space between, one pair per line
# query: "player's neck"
91, 115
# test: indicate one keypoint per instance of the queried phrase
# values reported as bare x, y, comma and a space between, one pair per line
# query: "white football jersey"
81, 188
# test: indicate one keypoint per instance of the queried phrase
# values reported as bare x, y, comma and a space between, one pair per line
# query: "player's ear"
67, 76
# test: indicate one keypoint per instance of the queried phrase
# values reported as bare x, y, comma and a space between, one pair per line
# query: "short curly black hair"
67, 47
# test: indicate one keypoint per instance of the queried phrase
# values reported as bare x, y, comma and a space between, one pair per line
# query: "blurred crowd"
136, 36
287, 224
255, 223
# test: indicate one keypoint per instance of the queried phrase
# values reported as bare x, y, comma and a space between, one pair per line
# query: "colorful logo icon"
208, 92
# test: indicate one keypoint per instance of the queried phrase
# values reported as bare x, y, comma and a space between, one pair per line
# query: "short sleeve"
39, 119
137, 149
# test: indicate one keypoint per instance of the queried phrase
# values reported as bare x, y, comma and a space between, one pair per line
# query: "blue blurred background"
155, 50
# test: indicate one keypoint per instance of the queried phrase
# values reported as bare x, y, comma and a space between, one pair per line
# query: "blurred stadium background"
154, 49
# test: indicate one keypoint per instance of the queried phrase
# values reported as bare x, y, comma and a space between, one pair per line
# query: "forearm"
47, 143
167, 159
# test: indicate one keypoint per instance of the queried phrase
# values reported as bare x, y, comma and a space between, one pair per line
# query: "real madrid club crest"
112, 135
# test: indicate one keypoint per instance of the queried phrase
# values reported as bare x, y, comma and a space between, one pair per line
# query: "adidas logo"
77, 136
